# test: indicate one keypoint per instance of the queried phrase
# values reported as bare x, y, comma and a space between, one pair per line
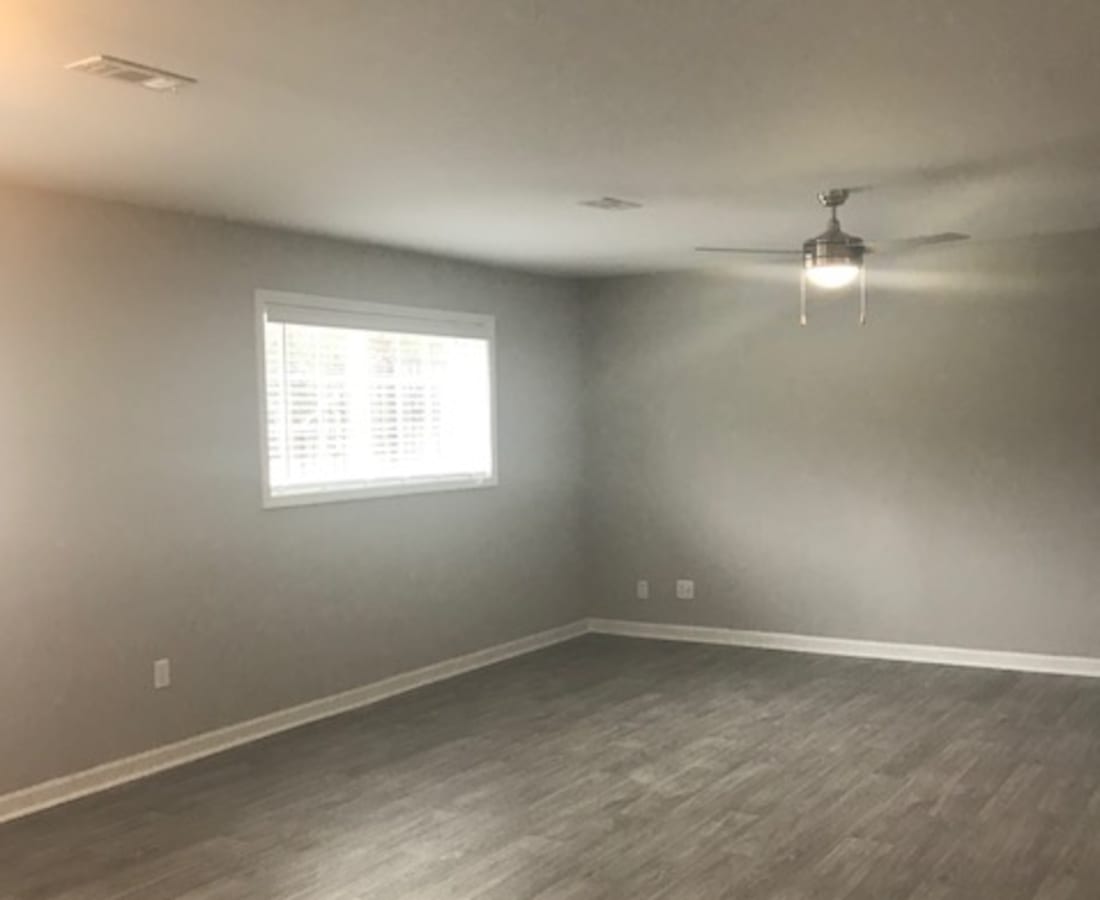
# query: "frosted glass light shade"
833, 276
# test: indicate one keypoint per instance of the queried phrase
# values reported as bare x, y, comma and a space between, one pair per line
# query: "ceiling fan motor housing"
833, 247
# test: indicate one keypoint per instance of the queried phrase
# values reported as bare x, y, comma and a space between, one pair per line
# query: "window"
365, 400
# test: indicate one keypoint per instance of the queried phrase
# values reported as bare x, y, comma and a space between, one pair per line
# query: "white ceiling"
473, 127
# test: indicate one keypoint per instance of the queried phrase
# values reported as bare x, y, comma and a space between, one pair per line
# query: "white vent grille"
131, 73
611, 204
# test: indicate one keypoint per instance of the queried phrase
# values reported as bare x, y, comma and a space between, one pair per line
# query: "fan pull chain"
862, 295
802, 318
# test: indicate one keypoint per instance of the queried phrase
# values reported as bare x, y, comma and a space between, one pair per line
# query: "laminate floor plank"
613, 769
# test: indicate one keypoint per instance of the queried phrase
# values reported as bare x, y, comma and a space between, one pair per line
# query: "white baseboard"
1085, 666
71, 787
90, 781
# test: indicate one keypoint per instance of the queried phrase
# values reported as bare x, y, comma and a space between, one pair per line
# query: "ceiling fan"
834, 258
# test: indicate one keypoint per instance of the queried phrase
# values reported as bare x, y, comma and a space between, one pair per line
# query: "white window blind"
363, 400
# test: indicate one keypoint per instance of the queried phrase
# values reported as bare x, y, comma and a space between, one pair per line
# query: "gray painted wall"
933, 478
130, 519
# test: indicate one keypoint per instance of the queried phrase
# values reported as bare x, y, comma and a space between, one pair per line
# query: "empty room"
550, 450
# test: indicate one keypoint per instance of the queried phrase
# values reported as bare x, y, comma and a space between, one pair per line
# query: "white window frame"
420, 320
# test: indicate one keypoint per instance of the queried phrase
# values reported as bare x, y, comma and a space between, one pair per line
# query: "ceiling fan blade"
748, 250
1080, 153
924, 240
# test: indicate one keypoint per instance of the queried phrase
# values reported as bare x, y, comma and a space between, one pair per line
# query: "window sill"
396, 489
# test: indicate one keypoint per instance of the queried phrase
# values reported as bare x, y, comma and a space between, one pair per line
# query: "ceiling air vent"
131, 72
611, 204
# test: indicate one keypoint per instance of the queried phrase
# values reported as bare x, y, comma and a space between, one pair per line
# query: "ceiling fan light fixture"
832, 275
833, 259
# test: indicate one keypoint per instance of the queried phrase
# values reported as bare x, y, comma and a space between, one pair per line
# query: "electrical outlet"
685, 589
162, 673
643, 589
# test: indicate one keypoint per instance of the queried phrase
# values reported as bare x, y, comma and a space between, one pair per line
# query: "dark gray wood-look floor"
620, 770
